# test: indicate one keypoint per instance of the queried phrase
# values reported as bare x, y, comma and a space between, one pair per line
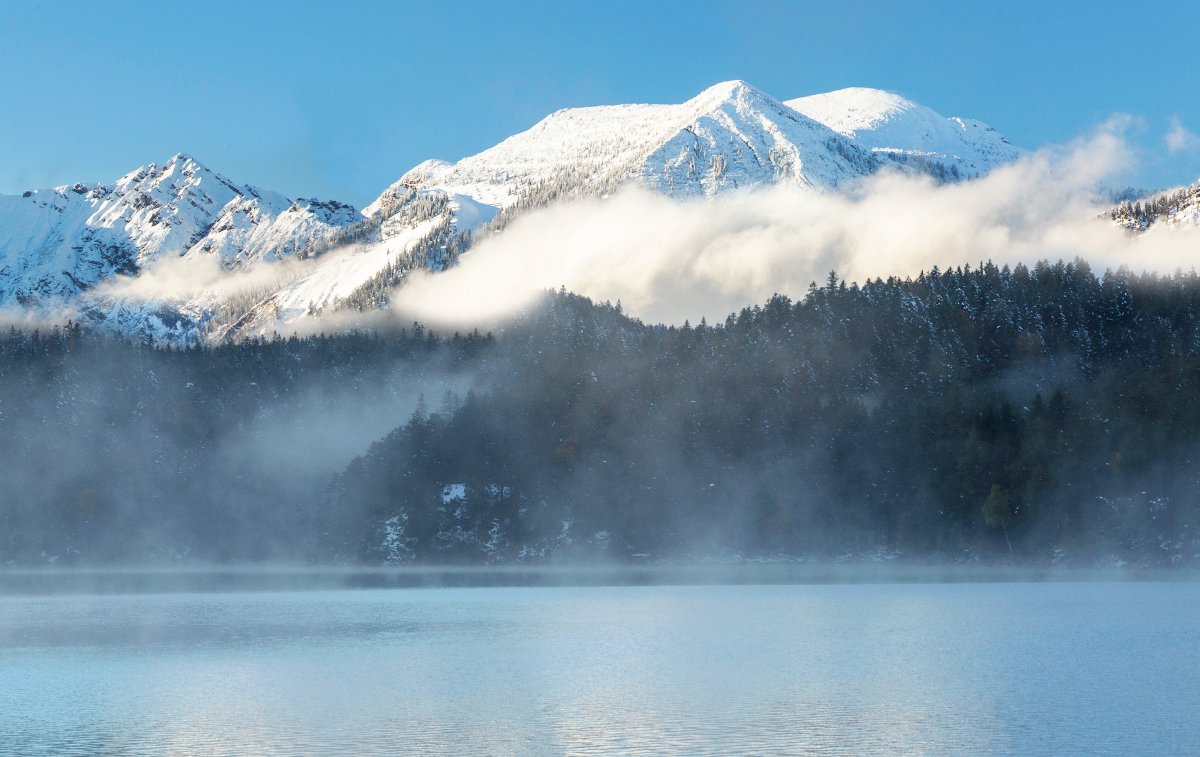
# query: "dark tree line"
1041, 414
120, 452
1032, 414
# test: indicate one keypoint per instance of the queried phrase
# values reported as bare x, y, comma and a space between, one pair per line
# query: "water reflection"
847, 669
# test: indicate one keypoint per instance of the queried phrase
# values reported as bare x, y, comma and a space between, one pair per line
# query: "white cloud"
196, 277
668, 260
1178, 138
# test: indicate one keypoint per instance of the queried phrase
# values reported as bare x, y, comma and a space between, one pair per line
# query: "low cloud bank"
193, 277
669, 261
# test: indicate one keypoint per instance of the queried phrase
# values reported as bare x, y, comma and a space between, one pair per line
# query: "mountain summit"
730, 135
56, 245
884, 122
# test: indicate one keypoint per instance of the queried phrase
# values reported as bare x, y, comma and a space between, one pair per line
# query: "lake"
860, 668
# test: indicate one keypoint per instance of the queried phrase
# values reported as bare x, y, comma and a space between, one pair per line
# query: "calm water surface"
1019, 668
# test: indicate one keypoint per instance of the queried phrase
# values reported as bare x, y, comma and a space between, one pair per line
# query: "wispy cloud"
1179, 139
196, 277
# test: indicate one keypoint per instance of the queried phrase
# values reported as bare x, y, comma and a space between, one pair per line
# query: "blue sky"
338, 99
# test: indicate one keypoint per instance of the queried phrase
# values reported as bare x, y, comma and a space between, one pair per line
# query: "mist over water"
290, 577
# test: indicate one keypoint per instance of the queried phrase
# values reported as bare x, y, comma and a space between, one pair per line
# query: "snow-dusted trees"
881, 415
1140, 214
952, 414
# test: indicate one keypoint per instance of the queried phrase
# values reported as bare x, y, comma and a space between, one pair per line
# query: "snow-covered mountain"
887, 123
58, 245
730, 135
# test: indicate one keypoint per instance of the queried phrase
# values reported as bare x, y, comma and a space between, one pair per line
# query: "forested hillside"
1039, 414
120, 452
1180, 207
959, 414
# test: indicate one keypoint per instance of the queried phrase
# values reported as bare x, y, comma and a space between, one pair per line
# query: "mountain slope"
57, 243
729, 136
1179, 208
884, 122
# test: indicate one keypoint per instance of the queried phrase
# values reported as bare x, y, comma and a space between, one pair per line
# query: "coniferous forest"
1042, 415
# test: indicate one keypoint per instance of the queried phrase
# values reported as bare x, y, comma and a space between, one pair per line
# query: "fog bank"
668, 260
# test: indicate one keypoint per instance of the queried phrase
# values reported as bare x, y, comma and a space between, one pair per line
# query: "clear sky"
338, 99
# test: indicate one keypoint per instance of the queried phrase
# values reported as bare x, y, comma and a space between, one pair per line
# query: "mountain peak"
180, 162
732, 90
56, 245
852, 109
886, 122
187, 164
728, 137
731, 134
725, 88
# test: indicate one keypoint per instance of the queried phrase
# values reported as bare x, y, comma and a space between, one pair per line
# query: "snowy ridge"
888, 123
254, 229
729, 136
57, 243
332, 279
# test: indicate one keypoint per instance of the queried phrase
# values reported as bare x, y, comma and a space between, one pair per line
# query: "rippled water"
1033, 668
